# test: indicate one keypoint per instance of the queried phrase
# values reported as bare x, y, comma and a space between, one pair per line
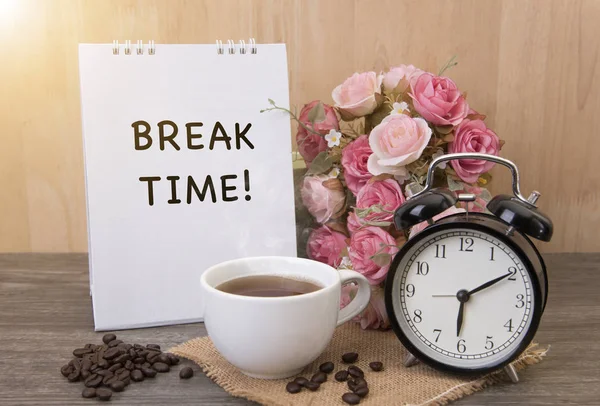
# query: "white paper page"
146, 260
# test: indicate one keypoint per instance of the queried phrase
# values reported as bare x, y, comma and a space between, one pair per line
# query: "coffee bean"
124, 374
301, 380
85, 373
153, 346
93, 381
86, 364
376, 366
107, 338
109, 380
341, 376
355, 371
103, 393
137, 366
102, 363
117, 386
132, 353
114, 367
74, 376
351, 398
114, 343
143, 353
161, 367
138, 346
360, 382
129, 365
105, 372
89, 393
152, 357
111, 353
352, 385
362, 391
122, 358
164, 358
146, 365
126, 381
120, 371
148, 372
186, 373
137, 376
139, 360
66, 370
95, 368
312, 386
349, 357
319, 377
80, 352
174, 359
127, 347
327, 367
293, 387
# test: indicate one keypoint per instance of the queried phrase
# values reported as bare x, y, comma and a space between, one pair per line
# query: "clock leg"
512, 373
410, 360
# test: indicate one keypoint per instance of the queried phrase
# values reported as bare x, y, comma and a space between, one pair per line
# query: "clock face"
463, 298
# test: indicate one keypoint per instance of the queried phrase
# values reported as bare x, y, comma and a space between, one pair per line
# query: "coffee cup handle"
360, 301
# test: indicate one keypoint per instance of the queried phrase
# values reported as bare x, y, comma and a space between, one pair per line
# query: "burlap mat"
396, 385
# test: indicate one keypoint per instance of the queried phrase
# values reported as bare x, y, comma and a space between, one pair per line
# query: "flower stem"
294, 117
450, 64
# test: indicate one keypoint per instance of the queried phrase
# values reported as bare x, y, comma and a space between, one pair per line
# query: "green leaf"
454, 185
381, 259
271, 102
321, 164
444, 129
317, 113
379, 223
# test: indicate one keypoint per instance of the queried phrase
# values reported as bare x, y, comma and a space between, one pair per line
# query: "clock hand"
459, 320
454, 295
489, 283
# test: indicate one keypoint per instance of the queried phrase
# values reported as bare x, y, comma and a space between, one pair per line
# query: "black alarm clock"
466, 294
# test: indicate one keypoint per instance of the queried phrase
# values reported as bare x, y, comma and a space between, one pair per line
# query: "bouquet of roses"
369, 151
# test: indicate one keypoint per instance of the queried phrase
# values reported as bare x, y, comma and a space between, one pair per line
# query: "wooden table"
46, 312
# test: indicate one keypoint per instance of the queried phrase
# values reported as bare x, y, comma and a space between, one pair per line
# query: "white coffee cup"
276, 337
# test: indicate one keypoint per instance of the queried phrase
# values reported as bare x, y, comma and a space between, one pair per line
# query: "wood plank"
530, 65
45, 312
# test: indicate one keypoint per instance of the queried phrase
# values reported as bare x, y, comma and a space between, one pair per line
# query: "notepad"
182, 171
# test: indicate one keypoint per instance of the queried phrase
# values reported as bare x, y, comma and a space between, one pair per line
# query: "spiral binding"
232, 48
139, 46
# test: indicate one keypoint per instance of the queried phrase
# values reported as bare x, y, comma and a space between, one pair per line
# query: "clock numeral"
520, 301
438, 334
466, 244
460, 346
422, 268
509, 326
417, 318
513, 271
440, 251
410, 290
489, 344
491, 253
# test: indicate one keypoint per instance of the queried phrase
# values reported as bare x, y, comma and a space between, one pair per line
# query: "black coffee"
267, 286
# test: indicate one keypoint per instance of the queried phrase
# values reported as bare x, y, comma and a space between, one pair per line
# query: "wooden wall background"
530, 65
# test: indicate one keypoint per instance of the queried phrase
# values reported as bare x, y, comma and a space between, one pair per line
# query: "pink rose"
374, 317
386, 194
399, 78
353, 223
438, 100
359, 94
371, 250
396, 142
325, 245
354, 160
473, 136
417, 228
311, 144
323, 196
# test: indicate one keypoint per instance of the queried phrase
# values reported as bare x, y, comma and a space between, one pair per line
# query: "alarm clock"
466, 294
